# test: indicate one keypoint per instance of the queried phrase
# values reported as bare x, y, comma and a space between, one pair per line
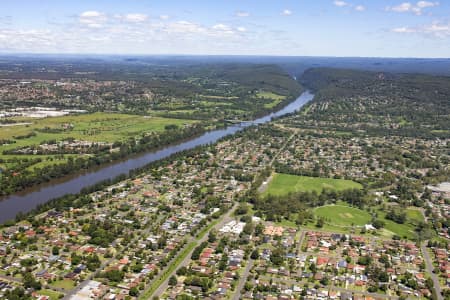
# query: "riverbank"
26, 202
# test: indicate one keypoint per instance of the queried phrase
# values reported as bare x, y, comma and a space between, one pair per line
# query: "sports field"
283, 184
341, 215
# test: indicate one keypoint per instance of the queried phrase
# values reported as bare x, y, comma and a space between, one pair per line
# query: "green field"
276, 99
52, 294
96, 127
413, 217
341, 215
65, 284
283, 184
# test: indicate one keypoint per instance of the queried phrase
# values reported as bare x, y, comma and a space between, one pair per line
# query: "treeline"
6, 142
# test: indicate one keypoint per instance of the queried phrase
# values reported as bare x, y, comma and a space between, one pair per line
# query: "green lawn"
52, 294
341, 215
413, 217
65, 284
276, 99
270, 95
283, 184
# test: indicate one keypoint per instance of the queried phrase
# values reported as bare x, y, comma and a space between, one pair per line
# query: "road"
243, 280
299, 248
265, 184
283, 147
429, 265
10, 279
185, 262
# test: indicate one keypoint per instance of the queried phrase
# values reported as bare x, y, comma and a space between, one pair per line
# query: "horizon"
325, 28
31, 54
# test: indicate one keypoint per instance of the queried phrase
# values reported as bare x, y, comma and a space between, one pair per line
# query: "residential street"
243, 279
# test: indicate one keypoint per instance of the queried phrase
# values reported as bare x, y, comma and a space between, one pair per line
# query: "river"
29, 199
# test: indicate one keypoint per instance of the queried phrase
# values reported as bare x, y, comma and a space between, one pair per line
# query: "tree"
114, 275
320, 223
248, 228
378, 224
259, 229
429, 283
173, 280
55, 250
134, 291
30, 282
182, 271
277, 257
242, 209
212, 236
255, 254
365, 260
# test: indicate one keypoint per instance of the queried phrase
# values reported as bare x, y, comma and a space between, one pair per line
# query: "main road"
429, 266
187, 259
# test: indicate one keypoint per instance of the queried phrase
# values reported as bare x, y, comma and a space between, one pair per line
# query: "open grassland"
276, 99
283, 184
96, 127
405, 230
341, 215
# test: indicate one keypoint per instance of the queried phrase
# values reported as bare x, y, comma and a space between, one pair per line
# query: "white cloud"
92, 19
439, 30
403, 30
424, 4
91, 14
242, 14
184, 27
286, 12
340, 3
164, 17
221, 27
186, 30
135, 18
404, 7
408, 7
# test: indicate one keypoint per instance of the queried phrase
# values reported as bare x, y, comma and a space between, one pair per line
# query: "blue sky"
375, 28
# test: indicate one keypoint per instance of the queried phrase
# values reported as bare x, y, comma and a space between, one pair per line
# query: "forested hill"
352, 82
403, 104
268, 77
